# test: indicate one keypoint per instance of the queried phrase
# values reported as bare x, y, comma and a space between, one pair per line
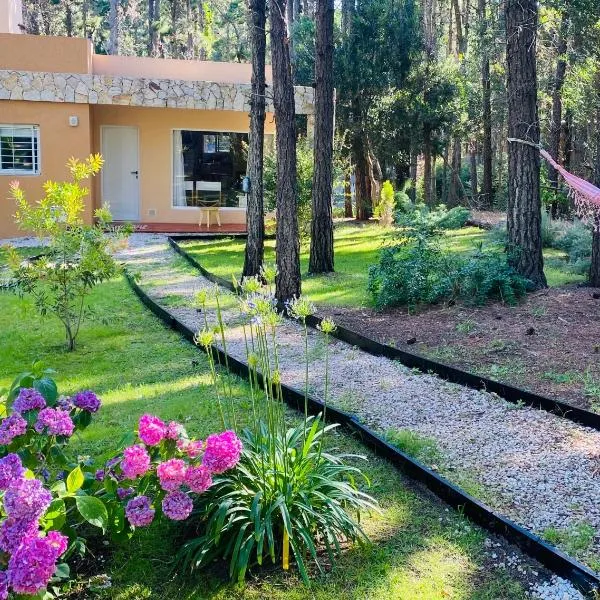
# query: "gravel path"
534, 467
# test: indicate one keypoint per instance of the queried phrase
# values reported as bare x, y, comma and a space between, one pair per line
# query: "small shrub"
438, 218
384, 211
416, 271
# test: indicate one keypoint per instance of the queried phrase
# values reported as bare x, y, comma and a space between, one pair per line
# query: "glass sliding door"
208, 168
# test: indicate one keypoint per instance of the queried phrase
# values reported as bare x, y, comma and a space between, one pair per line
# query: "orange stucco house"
171, 131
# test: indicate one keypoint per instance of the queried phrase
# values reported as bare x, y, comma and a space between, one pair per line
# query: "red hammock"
585, 195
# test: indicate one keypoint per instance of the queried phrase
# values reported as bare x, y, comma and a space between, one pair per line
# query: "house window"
19, 150
208, 168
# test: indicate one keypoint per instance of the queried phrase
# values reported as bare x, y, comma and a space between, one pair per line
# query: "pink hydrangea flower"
28, 399
222, 452
151, 430
14, 531
27, 500
12, 427
177, 506
198, 479
136, 461
193, 448
33, 563
175, 431
171, 474
139, 512
11, 469
55, 422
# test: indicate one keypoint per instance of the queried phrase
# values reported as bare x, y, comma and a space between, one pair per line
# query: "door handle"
136, 173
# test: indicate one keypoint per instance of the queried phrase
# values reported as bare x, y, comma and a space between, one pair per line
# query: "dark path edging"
427, 365
552, 558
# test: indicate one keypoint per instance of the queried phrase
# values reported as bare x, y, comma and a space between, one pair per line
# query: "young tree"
524, 214
321, 240
257, 15
287, 235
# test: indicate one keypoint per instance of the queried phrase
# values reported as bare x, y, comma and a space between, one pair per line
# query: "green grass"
420, 550
356, 247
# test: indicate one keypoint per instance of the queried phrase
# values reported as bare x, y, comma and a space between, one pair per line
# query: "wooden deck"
189, 228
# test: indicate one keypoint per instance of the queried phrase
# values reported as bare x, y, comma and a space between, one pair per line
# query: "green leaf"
47, 388
92, 510
75, 480
56, 516
62, 571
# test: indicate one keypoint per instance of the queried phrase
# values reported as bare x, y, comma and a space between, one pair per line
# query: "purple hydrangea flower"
177, 506
87, 400
136, 461
139, 512
3, 586
27, 500
33, 563
28, 399
222, 451
14, 531
11, 469
123, 493
55, 422
11, 427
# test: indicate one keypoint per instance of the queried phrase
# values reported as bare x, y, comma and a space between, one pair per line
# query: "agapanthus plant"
288, 495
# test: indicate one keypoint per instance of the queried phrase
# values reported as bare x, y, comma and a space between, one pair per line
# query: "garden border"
552, 558
427, 365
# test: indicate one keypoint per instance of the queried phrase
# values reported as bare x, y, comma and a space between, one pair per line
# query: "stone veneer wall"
126, 91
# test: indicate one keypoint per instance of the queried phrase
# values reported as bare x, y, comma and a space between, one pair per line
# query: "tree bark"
347, 197
594, 274
69, 19
414, 158
288, 241
113, 22
153, 25
524, 213
321, 240
255, 223
362, 189
556, 118
427, 165
455, 183
487, 186
473, 170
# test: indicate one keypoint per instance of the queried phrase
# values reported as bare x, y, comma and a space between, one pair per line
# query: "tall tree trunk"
113, 23
288, 240
594, 274
153, 27
487, 189
255, 224
455, 183
427, 196
69, 19
347, 16
473, 170
321, 240
414, 158
348, 197
524, 213
556, 118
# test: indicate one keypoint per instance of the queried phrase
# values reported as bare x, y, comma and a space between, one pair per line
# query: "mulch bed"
549, 343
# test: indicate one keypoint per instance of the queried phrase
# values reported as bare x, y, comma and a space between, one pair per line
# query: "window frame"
36, 155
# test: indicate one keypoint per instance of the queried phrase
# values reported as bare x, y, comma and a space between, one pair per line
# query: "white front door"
120, 174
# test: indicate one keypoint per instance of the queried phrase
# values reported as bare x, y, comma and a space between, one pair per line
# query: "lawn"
356, 247
420, 549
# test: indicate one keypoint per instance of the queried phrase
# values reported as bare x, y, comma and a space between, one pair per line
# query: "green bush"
416, 271
421, 217
384, 211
